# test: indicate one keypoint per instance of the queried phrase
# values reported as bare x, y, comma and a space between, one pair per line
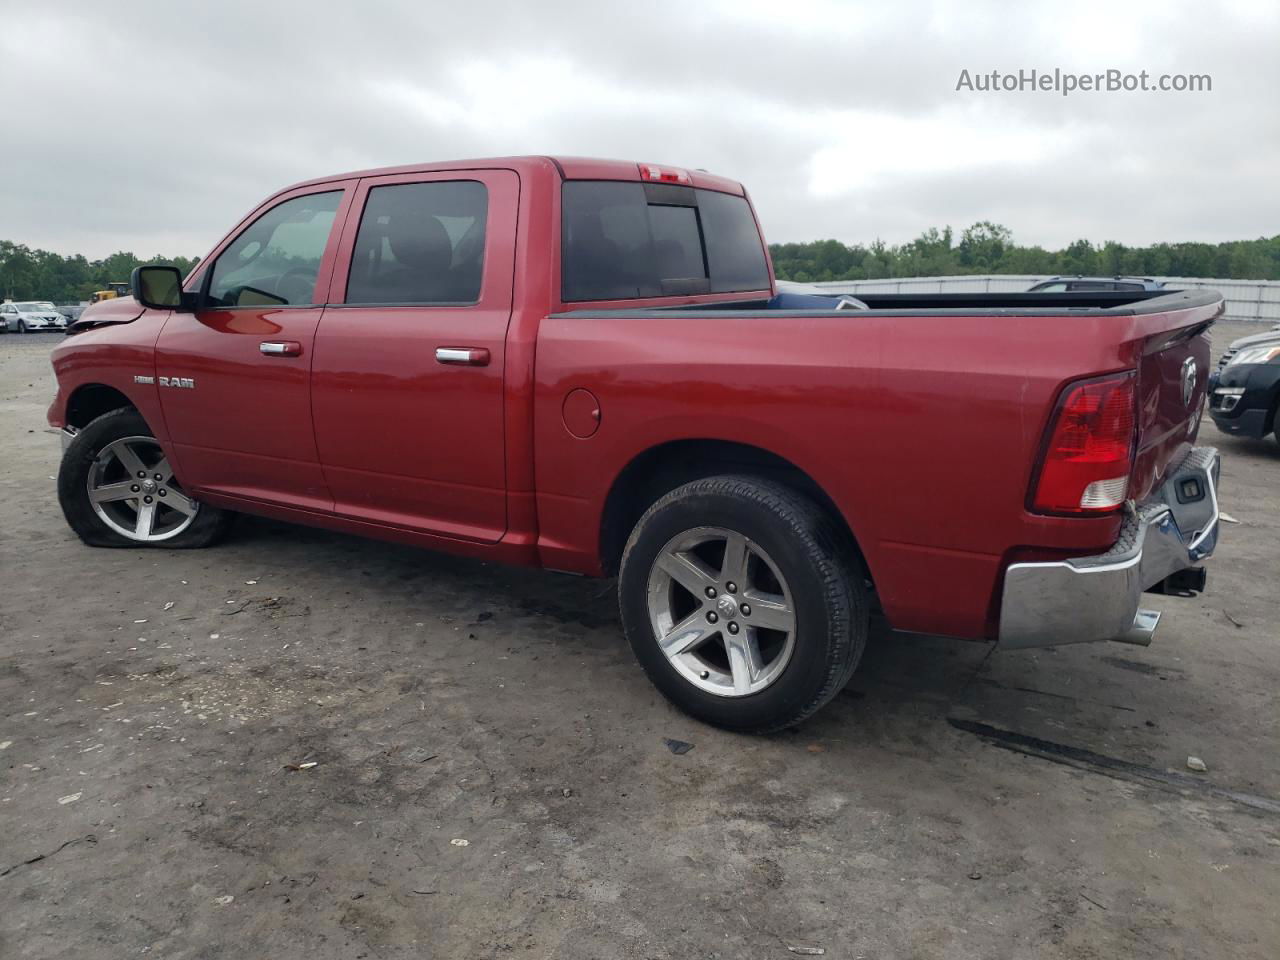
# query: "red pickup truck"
586, 365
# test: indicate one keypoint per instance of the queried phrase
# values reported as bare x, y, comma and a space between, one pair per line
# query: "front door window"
276, 260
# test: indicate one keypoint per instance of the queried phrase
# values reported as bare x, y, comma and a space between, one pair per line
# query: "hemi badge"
144, 379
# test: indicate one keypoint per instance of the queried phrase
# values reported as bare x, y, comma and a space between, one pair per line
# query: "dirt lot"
491, 778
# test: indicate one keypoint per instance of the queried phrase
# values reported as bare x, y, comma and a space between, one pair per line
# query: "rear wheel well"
92, 401
661, 469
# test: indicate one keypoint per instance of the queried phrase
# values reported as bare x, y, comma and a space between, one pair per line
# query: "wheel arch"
660, 469
91, 400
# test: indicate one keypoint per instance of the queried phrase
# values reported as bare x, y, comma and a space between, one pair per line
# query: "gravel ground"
490, 777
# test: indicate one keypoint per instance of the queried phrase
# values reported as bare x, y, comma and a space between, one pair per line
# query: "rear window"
623, 241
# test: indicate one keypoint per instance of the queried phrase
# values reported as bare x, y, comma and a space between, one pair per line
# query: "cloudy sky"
153, 127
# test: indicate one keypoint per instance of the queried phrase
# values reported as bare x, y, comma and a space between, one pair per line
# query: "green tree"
27, 274
982, 247
987, 247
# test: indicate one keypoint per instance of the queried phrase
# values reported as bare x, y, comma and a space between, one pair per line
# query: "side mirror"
158, 287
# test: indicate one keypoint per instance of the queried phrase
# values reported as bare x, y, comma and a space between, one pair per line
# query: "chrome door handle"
473, 356
280, 348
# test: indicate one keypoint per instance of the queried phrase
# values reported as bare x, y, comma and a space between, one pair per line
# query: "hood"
1255, 338
118, 310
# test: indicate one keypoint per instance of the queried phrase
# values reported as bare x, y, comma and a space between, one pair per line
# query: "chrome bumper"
1096, 598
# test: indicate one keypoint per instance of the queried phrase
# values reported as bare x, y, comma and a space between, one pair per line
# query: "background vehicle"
1078, 283
117, 288
31, 316
1244, 390
585, 365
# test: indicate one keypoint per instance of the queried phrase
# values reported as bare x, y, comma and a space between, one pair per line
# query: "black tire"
814, 557
22, 326
208, 526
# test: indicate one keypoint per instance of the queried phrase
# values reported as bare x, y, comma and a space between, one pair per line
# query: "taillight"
1089, 456
657, 174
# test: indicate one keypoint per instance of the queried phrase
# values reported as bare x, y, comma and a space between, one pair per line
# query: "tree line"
989, 248
30, 274
27, 274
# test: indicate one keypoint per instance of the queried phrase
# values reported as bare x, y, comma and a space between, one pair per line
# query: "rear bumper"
1097, 598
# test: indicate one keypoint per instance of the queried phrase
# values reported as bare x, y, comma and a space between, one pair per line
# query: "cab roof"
566, 168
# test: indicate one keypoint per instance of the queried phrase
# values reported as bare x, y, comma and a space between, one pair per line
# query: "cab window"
276, 259
420, 244
622, 240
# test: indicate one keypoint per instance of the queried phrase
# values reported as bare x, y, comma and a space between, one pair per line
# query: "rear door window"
420, 244
625, 240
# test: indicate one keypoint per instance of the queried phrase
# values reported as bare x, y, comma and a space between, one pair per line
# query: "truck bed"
923, 417
1087, 303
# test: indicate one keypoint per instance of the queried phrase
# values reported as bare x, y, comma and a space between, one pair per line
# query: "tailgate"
1173, 376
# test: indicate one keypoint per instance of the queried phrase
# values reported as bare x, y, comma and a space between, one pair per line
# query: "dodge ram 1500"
586, 365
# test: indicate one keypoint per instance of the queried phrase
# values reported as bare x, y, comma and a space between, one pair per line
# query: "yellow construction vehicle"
114, 289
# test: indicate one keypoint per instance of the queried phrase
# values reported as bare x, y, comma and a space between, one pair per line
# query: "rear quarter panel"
923, 429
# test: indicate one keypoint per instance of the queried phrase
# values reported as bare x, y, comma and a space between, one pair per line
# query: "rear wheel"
742, 603
117, 489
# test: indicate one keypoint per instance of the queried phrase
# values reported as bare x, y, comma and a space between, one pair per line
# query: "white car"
31, 315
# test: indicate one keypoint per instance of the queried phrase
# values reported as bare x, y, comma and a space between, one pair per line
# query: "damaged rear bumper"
1097, 597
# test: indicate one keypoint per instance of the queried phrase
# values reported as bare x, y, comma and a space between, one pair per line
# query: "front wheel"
743, 603
116, 489
22, 326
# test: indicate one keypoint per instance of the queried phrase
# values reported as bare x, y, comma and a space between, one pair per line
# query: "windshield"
43, 306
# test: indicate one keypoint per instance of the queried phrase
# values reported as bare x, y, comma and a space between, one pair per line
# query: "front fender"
119, 356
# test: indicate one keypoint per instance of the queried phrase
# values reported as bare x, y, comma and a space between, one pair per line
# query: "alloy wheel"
132, 489
721, 611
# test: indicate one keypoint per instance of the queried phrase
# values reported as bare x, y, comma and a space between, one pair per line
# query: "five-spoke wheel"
133, 491
117, 489
721, 611
744, 601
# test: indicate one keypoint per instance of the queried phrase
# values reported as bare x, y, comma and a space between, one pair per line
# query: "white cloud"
157, 127
868, 149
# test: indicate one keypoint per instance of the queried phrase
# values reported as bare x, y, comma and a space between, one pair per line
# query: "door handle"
281, 348
472, 356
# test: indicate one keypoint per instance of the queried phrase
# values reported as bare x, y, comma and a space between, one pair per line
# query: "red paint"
581, 413
925, 431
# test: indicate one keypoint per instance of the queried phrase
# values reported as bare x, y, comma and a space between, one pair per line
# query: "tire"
798, 571
22, 326
102, 457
